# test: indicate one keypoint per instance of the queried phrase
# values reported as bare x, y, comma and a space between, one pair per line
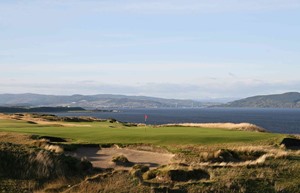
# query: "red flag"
146, 117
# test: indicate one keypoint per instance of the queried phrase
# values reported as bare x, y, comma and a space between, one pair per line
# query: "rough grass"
22, 162
230, 126
24, 168
276, 173
121, 182
16, 138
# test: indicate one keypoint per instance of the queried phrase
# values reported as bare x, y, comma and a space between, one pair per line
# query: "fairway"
106, 132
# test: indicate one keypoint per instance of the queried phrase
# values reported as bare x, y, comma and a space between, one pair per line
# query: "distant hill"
286, 100
38, 109
95, 101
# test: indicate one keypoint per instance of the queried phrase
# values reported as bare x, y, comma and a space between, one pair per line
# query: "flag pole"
146, 117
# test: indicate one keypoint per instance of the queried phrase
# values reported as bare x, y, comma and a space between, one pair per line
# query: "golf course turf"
106, 132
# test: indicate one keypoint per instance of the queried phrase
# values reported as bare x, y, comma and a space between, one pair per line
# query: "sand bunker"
103, 158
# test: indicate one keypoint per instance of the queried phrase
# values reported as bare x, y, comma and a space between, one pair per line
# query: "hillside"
286, 100
94, 101
39, 109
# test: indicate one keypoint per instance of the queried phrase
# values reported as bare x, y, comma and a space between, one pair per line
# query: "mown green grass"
105, 132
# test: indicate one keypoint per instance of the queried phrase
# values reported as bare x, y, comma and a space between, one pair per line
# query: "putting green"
105, 132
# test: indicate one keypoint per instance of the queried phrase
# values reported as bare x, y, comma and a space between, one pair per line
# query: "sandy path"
102, 158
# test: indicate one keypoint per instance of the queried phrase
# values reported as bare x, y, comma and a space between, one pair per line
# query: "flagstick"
146, 116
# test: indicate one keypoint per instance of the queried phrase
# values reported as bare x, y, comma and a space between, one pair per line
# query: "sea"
274, 120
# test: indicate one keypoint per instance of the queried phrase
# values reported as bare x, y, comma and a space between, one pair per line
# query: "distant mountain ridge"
95, 101
285, 100
39, 109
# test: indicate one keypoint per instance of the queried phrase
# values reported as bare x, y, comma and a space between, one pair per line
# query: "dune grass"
106, 132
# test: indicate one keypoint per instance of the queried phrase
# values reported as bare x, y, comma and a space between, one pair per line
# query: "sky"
185, 49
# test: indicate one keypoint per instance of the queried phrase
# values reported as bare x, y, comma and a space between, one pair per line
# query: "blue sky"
198, 49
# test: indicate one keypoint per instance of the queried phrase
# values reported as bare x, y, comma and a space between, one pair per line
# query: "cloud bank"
202, 90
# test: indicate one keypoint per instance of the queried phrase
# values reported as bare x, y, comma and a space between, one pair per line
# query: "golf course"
106, 132
47, 153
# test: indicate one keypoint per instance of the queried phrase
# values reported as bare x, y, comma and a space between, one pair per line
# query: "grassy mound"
176, 173
121, 160
21, 162
229, 126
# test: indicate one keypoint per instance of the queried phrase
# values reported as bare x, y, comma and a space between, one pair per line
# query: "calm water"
275, 120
